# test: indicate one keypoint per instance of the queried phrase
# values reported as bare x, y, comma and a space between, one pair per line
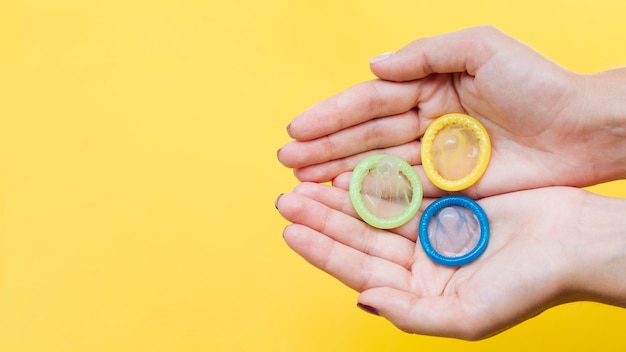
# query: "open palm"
526, 268
533, 110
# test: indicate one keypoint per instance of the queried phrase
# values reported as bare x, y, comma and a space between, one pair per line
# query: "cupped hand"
533, 109
536, 259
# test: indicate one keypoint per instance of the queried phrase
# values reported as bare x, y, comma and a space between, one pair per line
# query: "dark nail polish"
277, 199
368, 309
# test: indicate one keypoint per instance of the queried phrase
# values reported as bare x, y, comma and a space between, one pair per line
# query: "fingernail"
277, 199
368, 309
289, 130
278, 153
380, 57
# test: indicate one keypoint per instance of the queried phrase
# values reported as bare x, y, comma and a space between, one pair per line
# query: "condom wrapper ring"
385, 191
454, 231
455, 151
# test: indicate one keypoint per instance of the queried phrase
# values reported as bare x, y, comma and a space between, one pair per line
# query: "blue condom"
454, 231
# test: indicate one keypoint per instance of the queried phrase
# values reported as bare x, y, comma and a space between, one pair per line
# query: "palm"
503, 287
528, 113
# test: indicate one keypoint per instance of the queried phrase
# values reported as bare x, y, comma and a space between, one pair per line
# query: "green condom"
385, 191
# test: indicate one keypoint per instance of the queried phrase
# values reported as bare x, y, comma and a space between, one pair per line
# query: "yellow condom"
455, 151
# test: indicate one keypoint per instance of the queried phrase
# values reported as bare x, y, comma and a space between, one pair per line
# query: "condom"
385, 191
454, 231
455, 151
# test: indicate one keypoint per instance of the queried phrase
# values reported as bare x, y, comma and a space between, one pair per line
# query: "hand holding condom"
386, 192
418, 83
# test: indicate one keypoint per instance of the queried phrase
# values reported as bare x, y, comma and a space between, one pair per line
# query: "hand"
547, 247
545, 127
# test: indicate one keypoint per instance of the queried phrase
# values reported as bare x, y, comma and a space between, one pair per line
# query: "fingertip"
307, 188
285, 232
380, 57
277, 200
342, 181
368, 309
284, 155
379, 65
278, 153
392, 304
305, 174
291, 235
289, 155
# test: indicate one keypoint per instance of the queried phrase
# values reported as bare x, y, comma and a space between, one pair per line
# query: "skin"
549, 128
547, 124
547, 248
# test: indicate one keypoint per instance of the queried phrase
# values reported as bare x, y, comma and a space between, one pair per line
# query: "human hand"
548, 246
544, 128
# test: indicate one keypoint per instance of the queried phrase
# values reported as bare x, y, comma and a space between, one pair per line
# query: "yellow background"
138, 170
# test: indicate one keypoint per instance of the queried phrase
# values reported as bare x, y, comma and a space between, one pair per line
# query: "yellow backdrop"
138, 170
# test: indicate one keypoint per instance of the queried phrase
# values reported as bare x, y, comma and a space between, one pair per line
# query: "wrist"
603, 123
600, 251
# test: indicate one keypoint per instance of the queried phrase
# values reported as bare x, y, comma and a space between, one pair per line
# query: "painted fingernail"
277, 199
289, 130
380, 57
368, 309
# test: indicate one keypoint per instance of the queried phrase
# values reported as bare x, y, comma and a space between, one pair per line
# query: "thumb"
463, 51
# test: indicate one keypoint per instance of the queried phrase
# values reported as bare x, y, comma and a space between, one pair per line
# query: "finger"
346, 229
355, 105
374, 134
332, 197
462, 51
354, 268
339, 200
433, 97
324, 172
